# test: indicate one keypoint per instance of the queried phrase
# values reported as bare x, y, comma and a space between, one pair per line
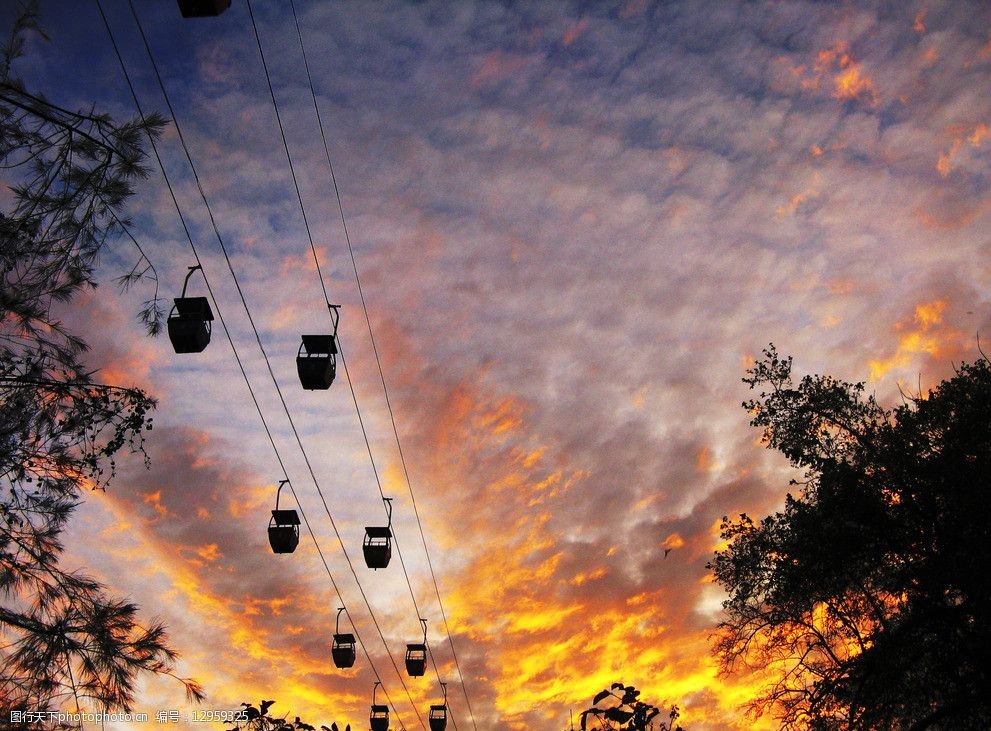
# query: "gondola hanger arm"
278, 492
335, 314
185, 282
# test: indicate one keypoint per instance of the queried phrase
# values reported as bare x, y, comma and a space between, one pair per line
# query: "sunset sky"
576, 225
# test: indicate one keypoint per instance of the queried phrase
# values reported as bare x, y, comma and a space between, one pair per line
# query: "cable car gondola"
378, 541
416, 655
379, 717
189, 321
343, 647
283, 528
202, 8
438, 714
316, 361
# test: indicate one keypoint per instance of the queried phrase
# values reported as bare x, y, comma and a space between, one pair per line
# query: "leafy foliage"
61, 634
74, 171
626, 712
259, 719
867, 597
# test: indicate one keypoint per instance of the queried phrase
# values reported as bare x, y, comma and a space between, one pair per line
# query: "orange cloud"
284, 316
703, 459
944, 159
257, 643
122, 361
849, 80
302, 262
979, 133
502, 418
574, 31
974, 137
794, 202
155, 500
209, 552
557, 616
840, 286
923, 335
947, 209
497, 66
584, 577
852, 83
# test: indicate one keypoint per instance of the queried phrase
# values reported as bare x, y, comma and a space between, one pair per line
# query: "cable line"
237, 357
324, 288
269, 365
263, 351
378, 361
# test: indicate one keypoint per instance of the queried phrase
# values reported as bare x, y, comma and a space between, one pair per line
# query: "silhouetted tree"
61, 634
624, 711
259, 719
868, 597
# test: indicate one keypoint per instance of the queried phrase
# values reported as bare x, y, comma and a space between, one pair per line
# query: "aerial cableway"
316, 373
189, 322
316, 260
283, 528
202, 8
250, 319
342, 650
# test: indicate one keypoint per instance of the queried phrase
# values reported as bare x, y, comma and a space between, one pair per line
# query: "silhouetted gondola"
438, 714
283, 528
379, 717
189, 321
343, 647
202, 8
316, 361
416, 655
378, 541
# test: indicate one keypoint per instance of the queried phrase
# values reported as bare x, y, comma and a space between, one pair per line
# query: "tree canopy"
62, 635
867, 596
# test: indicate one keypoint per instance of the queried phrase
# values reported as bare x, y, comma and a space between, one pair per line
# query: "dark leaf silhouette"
618, 715
260, 720
870, 588
70, 174
626, 712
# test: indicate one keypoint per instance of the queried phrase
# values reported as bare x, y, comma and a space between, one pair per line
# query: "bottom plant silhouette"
258, 719
619, 708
